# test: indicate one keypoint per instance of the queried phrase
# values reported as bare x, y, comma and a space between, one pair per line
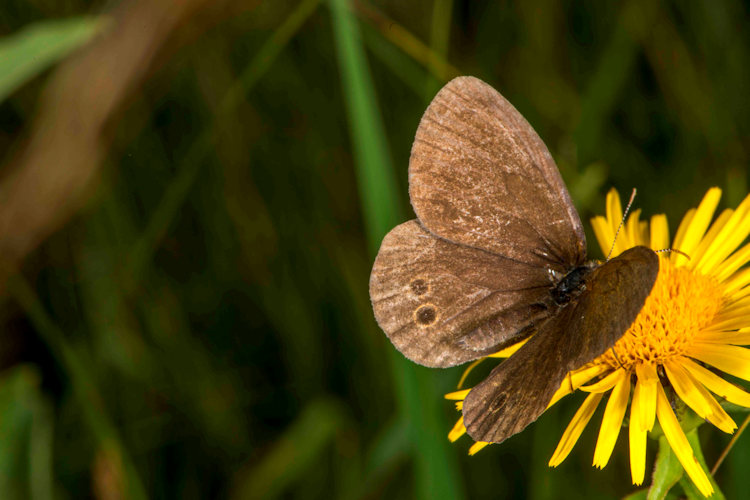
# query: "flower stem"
730, 445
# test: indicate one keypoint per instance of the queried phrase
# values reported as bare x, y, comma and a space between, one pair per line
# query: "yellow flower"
697, 316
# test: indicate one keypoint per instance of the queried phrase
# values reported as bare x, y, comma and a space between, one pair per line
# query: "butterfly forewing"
520, 388
479, 175
443, 304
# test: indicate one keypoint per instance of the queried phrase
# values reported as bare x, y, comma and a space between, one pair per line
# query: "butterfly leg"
614, 353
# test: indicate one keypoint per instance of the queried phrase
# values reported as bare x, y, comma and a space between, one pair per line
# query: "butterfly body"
571, 283
498, 253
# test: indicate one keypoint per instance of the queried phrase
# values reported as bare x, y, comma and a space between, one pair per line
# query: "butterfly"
496, 254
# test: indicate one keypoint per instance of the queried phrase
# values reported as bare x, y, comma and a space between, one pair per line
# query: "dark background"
198, 325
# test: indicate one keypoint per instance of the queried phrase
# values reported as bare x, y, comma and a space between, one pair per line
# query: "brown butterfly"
498, 253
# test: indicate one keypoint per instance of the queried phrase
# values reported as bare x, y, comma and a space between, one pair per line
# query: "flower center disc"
681, 303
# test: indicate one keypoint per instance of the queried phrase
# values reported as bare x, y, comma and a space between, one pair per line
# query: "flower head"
694, 323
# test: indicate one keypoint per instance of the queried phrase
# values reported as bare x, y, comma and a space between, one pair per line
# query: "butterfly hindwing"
519, 389
443, 304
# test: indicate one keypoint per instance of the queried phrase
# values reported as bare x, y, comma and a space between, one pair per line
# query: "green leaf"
667, 471
32, 50
641, 494
733, 408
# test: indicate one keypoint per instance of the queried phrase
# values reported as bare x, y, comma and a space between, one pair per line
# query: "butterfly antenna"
673, 250
622, 223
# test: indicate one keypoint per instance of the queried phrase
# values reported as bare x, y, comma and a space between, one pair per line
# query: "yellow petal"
564, 389
468, 370
458, 430
575, 428
458, 395
728, 239
717, 385
713, 232
659, 232
679, 443
740, 294
697, 397
646, 404
603, 232
736, 282
682, 230
698, 224
739, 337
686, 390
727, 358
614, 208
643, 234
632, 230
612, 420
736, 261
476, 447
718, 416
614, 218
730, 310
637, 439
731, 320
576, 379
604, 384
508, 351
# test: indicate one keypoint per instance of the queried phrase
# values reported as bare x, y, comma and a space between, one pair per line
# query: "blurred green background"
201, 327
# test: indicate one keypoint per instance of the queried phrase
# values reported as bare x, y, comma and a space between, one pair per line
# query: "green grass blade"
407, 42
27, 53
436, 474
178, 190
83, 382
41, 477
440, 31
295, 452
19, 400
615, 66
377, 184
411, 73
387, 452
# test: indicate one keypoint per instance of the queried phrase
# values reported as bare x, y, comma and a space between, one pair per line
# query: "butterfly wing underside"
443, 304
479, 175
495, 222
514, 394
